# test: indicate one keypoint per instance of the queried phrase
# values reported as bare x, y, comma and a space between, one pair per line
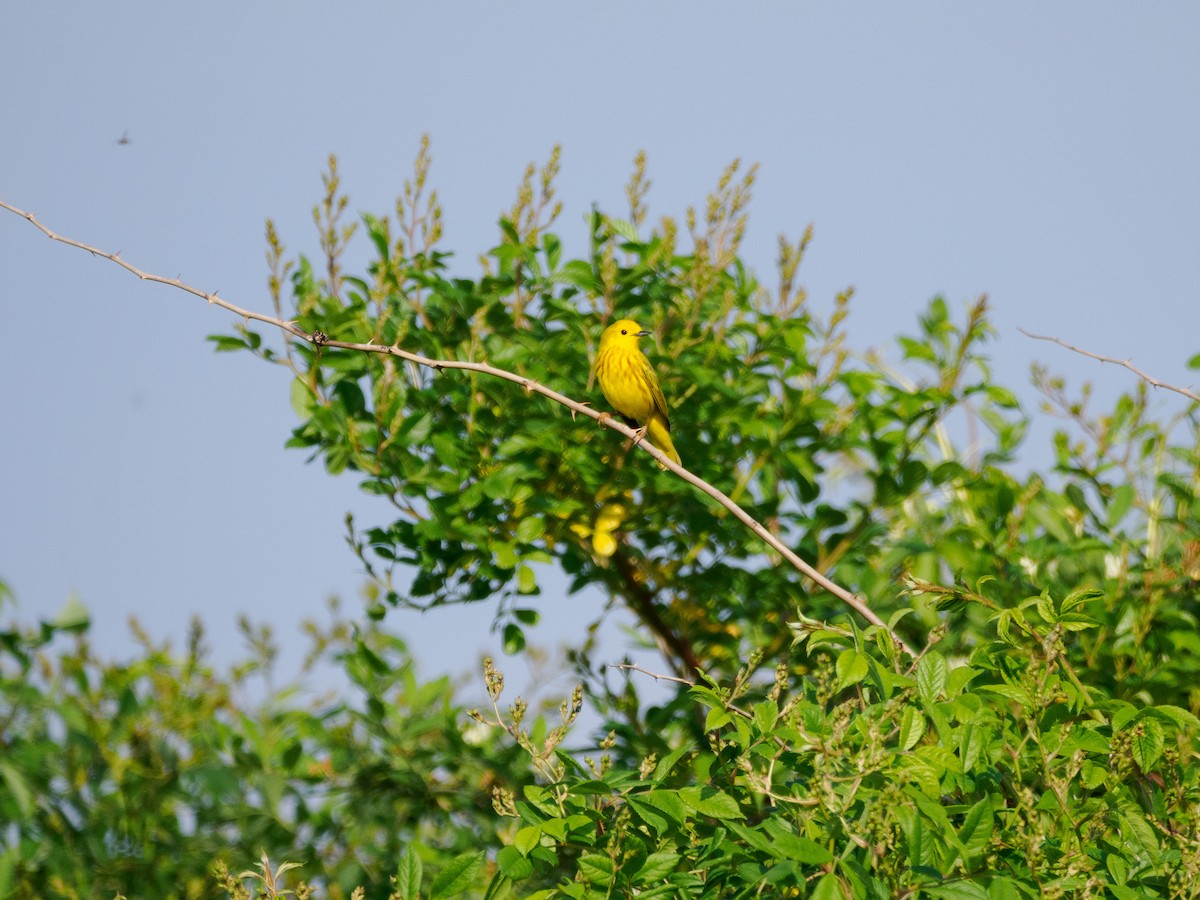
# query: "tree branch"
642, 601
657, 676
606, 420
1124, 363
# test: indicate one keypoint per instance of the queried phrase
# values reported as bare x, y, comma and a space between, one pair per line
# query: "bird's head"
624, 332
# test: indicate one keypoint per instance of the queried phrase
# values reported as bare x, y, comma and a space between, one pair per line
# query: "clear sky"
1046, 154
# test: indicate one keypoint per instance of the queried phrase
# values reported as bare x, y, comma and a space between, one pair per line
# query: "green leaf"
1122, 714
1119, 504
527, 616
227, 342
514, 638
1092, 775
976, 831
623, 229
959, 678
933, 810
957, 890
753, 837
552, 246
350, 396
19, 788
1011, 691
711, 802
514, 864
579, 273
458, 875
828, 888
527, 838
648, 813
415, 430
932, 673
912, 727
8, 866
801, 849
1146, 743
852, 667
1176, 715
919, 849
1137, 834
530, 529
765, 715
596, 869
1045, 608
716, 718
657, 866
668, 803
74, 616
526, 579
500, 886
1117, 867
668, 762
408, 874
1003, 888
302, 399
973, 740
1002, 397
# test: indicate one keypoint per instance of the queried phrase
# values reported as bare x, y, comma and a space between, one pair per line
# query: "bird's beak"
643, 334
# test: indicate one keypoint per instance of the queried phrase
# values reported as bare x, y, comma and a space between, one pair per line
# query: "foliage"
1001, 777
767, 402
1043, 742
850, 461
136, 777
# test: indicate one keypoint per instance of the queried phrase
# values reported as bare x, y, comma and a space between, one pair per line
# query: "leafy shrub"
1040, 741
135, 777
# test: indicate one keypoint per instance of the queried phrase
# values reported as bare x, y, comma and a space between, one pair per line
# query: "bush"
1041, 739
136, 777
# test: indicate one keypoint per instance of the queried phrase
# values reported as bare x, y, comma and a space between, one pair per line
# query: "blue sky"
1043, 153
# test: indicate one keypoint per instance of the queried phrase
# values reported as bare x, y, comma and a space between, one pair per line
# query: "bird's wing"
660, 402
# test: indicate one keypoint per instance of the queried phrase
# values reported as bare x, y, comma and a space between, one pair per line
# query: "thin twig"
317, 338
1124, 363
657, 676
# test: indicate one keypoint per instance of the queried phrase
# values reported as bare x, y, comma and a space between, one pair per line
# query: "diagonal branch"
1124, 363
319, 339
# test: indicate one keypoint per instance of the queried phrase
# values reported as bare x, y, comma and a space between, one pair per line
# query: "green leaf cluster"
992, 777
491, 487
136, 777
1042, 741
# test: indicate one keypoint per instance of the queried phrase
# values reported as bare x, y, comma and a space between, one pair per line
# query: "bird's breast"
623, 381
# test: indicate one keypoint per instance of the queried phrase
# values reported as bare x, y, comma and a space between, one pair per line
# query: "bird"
630, 386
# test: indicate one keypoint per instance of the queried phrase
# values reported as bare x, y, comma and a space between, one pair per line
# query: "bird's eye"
623, 331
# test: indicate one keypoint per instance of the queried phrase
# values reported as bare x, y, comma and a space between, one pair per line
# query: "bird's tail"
660, 437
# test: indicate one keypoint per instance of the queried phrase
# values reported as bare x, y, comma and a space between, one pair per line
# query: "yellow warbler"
630, 385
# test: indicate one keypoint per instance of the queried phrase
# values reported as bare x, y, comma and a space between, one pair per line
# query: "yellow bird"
630, 385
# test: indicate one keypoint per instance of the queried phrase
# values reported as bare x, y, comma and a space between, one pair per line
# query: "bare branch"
1124, 363
318, 338
657, 676
211, 297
